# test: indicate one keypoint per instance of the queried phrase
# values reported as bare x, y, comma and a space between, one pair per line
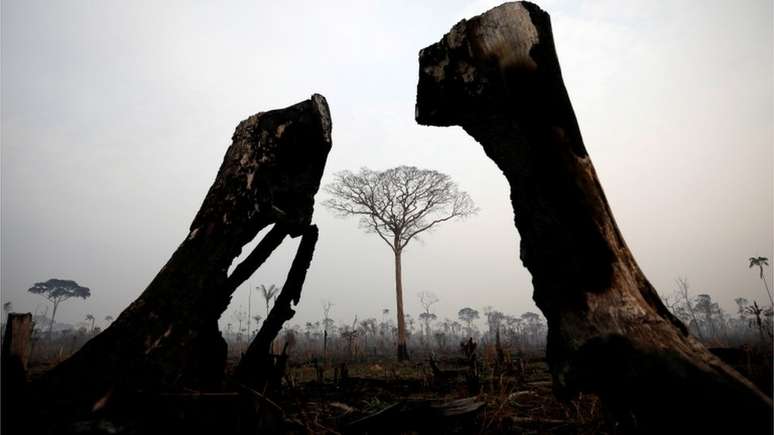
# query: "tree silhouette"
708, 310
90, 318
533, 323
427, 300
760, 262
684, 308
58, 291
327, 324
468, 315
493, 320
108, 319
757, 311
398, 204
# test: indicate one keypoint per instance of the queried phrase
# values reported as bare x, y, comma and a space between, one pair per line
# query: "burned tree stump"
15, 356
168, 339
497, 76
16, 342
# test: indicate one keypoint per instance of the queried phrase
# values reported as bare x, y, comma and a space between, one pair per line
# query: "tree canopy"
399, 203
59, 290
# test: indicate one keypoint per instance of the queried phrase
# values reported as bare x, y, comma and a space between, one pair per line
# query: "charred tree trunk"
13, 365
168, 339
402, 340
497, 76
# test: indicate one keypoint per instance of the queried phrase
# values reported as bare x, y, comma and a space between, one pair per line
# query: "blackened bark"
497, 76
168, 339
14, 403
257, 365
402, 340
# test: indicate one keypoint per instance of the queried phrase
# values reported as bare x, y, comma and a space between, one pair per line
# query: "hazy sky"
116, 116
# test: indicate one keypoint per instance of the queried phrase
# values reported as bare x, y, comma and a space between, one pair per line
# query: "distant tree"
427, 318
398, 204
757, 311
684, 308
515, 327
533, 324
309, 329
455, 328
349, 333
760, 262
108, 320
468, 315
493, 320
240, 317
268, 293
741, 304
710, 311
327, 324
367, 327
257, 319
58, 291
90, 318
410, 325
427, 300
440, 339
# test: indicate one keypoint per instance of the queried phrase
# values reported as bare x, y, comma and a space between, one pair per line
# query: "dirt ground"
411, 399
507, 395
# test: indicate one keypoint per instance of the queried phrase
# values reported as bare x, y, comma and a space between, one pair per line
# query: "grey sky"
116, 115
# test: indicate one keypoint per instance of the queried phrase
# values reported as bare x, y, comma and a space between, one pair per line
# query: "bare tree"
398, 204
327, 322
685, 310
427, 300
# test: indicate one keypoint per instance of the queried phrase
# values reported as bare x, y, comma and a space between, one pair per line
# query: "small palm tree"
268, 294
108, 319
760, 262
